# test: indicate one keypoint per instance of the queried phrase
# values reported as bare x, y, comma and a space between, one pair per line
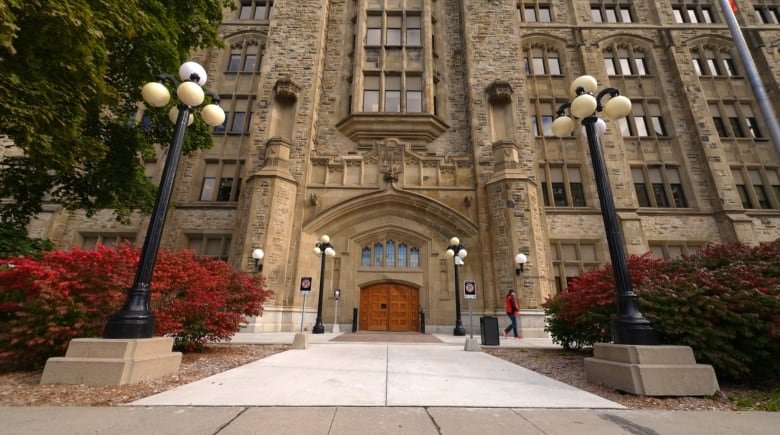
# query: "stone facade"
474, 161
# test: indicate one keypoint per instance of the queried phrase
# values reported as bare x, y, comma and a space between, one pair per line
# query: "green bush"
724, 302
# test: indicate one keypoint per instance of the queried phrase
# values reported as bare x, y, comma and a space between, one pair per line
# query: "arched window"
365, 260
378, 254
390, 257
390, 254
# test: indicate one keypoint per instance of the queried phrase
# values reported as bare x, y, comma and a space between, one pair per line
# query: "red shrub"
45, 303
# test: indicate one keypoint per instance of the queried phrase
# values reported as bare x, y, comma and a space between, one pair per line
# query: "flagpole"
729, 6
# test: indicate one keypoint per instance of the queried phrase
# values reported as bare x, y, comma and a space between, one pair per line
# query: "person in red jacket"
513, 311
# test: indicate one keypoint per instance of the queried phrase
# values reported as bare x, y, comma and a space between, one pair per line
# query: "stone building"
394, 125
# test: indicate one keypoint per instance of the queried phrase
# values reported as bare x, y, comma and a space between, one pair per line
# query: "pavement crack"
229, 422
433, 420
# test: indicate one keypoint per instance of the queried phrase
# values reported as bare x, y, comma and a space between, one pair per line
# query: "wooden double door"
389, 307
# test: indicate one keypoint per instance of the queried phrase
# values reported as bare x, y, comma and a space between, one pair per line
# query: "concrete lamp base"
650, 370
472, 345
301, 341
104, 361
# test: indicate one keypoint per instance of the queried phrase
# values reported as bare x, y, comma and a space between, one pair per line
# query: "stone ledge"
651, 370
99, 361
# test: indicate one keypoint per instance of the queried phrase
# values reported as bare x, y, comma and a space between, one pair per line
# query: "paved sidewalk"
165, 420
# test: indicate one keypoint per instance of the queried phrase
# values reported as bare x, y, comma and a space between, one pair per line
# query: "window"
645, 120
710, 62
90, 241
611, 13
674, 250
413, 31
217, 246
570, 259
767, 14
390, 254
758, 188
693, 13
656, 185
255, 10
221, 181
541, 61
564, 188
533, 12
625, 61
392, 87
244, 57
395, 29
238, 115
542, 120
735, 120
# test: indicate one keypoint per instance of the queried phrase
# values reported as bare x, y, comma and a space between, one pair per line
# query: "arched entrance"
389, 307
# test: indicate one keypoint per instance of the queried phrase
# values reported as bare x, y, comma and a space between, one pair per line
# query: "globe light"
462, 254
583, 106
258, 254
454, 241
190, 93
563, 126
156, 94
588, 83
317, 250
173, 116
324, 239
213, 115
617, 107
187, 69
330, 252
450, 253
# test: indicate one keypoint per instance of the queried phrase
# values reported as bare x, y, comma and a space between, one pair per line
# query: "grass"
758, 399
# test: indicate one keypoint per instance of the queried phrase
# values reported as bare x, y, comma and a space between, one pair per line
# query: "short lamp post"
336, 297
135, 319
323, 248
258, 255
630, 327
458, 253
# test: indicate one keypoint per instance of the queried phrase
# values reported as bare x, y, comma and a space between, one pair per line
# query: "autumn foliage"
723, 301
45, 303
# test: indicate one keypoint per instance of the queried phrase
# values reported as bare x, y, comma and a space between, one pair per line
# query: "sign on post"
469, 289
306, 284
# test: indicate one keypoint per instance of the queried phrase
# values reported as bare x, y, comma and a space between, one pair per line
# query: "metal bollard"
422, 321
354, 319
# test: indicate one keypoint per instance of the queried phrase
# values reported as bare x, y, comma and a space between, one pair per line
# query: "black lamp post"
458, 253
322, 248
135, 319
629, 327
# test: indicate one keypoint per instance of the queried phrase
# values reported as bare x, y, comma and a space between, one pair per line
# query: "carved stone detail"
286, 89
499, 92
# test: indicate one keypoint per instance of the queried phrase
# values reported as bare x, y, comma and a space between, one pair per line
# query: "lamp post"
135, 319
257, 255
336, 297
629, 327
458, 253
323, 248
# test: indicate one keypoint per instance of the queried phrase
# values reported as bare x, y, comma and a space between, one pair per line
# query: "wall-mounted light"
257, 255
336, 294
520, 260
